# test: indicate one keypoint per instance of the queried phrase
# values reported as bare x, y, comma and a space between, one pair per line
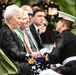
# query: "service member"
64, 50
3, 5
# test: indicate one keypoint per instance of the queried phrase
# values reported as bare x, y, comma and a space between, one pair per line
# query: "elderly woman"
64, 50
11, 45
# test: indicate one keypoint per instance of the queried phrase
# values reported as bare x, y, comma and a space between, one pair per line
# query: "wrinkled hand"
46, 57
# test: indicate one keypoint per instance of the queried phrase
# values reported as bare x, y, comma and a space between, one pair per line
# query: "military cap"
66, 16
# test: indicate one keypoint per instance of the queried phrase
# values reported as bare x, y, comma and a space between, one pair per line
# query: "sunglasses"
29, 14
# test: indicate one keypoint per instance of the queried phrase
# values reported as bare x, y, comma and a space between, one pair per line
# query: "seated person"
12, 46
64, 50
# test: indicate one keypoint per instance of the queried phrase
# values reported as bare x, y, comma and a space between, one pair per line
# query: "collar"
65, 30
27, 29
36, 27
19, 30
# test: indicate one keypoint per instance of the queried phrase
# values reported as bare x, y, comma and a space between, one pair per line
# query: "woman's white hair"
11, 11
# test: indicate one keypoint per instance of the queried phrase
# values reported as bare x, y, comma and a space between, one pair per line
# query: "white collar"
36, 27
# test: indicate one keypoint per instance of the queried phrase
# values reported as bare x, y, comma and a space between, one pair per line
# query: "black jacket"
65, 46
35, 35
14, 48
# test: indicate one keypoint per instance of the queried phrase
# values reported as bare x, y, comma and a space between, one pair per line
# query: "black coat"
65, 43
14, 48
64, 47
35, 35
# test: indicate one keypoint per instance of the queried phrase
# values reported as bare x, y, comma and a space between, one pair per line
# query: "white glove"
45, 50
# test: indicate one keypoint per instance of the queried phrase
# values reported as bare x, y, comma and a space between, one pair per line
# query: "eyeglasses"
29, 14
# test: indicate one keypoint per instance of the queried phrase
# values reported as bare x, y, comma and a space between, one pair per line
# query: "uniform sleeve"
57, 49
11, 46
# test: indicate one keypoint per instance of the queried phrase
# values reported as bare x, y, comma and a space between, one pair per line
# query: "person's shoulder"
5, 30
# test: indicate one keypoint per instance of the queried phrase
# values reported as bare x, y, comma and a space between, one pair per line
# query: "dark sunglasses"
29, 14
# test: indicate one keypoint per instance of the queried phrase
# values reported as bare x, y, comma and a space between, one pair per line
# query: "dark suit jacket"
14, 49
35, 35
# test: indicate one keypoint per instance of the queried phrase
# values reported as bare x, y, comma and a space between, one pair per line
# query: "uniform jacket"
14, 49
64, 47
35, 35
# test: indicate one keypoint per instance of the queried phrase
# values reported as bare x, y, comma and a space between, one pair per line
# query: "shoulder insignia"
3, 6
46, 6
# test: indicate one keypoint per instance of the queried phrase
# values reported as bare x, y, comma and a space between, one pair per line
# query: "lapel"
33, 31
35, 35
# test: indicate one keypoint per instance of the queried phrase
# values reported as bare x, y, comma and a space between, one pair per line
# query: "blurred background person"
11, 45
3, 5
51, 13
37, 20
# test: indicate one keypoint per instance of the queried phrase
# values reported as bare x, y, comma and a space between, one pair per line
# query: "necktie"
28, 48
39, 37
27, 45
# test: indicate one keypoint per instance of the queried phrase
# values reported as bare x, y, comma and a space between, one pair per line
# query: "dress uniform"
2, 9
51, 13
64, 51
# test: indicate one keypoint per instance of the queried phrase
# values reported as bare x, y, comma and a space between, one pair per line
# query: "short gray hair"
11, 11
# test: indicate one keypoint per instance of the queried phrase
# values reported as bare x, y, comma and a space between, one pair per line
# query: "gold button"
52, 2
45, 12
2, 10
3, 20
46, 6
3, 5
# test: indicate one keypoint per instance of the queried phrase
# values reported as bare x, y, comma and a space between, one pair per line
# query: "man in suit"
37, 20
31, 39
3, 5
24, 36
51, 13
